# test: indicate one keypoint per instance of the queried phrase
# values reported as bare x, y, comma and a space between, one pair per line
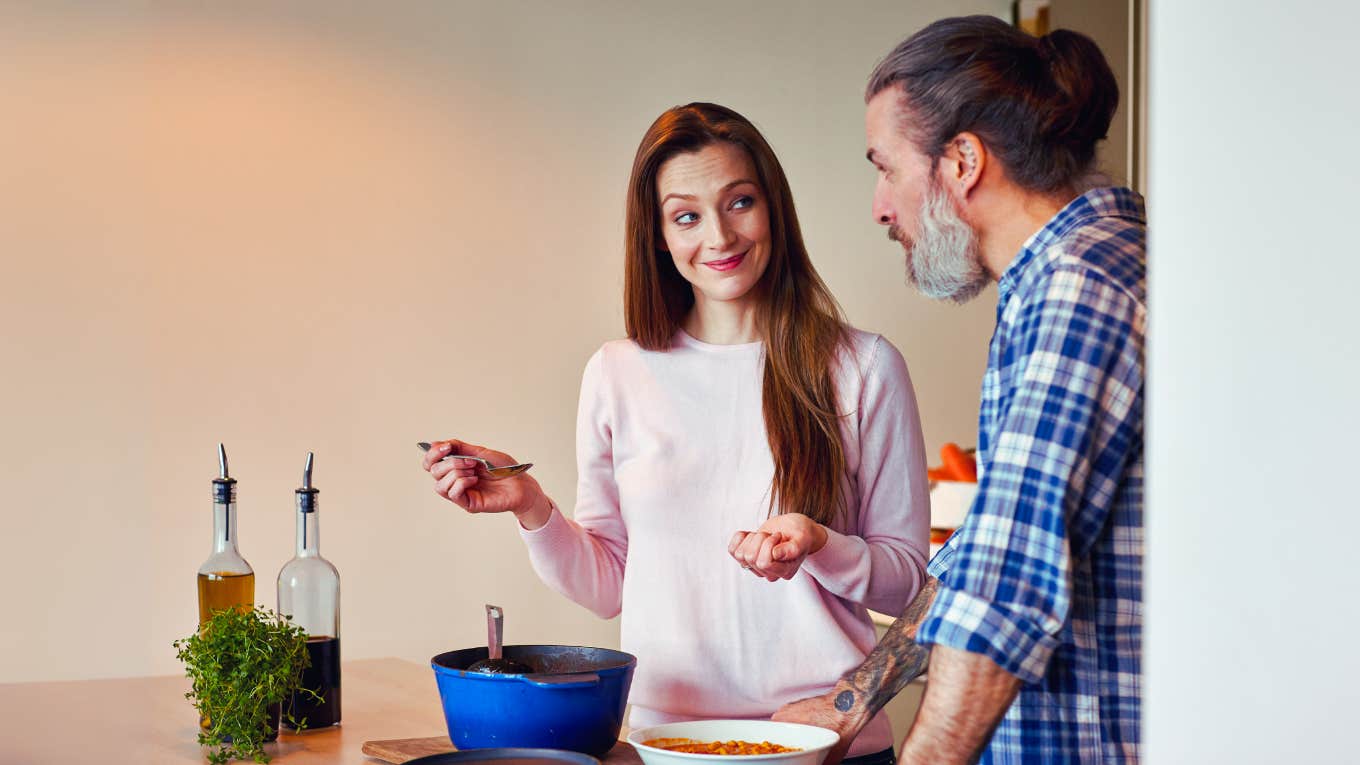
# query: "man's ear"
962, 164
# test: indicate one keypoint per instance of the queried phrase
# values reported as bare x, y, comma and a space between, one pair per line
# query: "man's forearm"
967, 696
894, 662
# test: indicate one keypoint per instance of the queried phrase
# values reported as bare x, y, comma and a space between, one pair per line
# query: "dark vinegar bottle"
309, 592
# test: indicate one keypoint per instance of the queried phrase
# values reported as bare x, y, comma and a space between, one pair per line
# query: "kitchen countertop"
147, 719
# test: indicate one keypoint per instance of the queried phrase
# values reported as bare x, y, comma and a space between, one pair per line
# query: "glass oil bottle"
309, 592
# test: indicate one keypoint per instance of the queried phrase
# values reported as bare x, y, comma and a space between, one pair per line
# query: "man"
984, 140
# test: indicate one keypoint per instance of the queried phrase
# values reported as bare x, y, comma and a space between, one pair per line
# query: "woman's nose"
719, 235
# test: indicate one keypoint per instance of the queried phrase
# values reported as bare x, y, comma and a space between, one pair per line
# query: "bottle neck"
224, 527
308, 530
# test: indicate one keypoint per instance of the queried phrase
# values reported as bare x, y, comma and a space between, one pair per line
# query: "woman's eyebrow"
691, 197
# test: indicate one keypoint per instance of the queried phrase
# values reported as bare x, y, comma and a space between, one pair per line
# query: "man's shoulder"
1109, 248
1105, 255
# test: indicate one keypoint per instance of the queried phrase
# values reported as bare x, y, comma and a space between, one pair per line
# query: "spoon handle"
493, 631
491, 472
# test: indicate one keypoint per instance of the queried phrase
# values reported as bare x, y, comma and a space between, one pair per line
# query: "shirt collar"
1104, 202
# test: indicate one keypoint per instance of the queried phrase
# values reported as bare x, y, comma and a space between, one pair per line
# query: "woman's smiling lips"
726, 264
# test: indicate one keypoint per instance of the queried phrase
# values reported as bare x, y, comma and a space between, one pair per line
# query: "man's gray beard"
944, 260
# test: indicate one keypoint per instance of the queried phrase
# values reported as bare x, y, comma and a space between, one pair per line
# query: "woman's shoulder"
860, 342
613, 351
866, 351
614, 358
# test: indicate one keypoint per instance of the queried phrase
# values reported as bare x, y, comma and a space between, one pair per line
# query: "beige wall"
346, 227
1110, 23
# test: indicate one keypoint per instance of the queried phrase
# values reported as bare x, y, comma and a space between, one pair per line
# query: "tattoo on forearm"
894, 662
845, 701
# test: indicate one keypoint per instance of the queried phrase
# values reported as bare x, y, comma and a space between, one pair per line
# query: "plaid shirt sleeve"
1006, 586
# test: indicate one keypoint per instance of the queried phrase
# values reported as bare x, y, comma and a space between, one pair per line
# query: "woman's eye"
743, 202
684, 219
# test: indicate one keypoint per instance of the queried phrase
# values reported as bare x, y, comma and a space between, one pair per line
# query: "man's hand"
862, 691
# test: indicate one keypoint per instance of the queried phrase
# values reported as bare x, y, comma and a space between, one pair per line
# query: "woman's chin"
727, 290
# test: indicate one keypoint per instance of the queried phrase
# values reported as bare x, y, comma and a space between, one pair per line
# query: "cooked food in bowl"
734, 742
691, 746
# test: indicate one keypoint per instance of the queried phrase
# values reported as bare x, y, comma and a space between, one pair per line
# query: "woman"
751, 469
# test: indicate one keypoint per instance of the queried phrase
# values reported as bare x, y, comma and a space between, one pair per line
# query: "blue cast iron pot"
574, 700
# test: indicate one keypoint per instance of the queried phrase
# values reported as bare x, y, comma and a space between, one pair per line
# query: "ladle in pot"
495, 664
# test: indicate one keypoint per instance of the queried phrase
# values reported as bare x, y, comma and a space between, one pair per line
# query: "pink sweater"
673, 459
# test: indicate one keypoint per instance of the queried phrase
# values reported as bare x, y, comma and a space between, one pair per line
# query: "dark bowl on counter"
574, 699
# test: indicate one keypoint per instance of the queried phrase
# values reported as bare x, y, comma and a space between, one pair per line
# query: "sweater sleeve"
584, 558
881, 564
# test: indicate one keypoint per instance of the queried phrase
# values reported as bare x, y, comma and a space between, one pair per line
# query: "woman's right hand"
464, 484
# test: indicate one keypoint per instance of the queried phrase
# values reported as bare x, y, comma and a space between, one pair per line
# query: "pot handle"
575, 680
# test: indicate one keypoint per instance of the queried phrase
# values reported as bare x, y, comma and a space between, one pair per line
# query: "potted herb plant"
243, 664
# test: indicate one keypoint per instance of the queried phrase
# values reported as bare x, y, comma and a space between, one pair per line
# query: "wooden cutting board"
399, 750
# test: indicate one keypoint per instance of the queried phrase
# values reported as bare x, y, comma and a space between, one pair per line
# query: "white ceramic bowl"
811, 740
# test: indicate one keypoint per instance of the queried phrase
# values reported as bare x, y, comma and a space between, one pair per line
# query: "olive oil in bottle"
225, 580
309, 592
220, 590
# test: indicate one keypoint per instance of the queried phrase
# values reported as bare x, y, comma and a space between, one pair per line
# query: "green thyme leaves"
243, 663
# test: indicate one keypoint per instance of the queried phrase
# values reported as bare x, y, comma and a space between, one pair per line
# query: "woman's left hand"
776, 550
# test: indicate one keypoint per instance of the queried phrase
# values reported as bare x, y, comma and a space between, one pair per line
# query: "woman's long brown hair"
798, 319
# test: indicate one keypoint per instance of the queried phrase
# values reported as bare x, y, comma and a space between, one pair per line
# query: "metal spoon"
495, 664
493, 473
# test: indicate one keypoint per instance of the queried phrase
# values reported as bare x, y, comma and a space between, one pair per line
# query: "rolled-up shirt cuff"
1002, 633
939, 565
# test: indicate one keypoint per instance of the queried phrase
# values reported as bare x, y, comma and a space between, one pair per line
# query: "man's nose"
882, 211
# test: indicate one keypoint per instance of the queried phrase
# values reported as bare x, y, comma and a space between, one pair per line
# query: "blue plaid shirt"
1045, 575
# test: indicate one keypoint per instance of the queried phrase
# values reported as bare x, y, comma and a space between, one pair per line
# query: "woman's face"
715, 220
